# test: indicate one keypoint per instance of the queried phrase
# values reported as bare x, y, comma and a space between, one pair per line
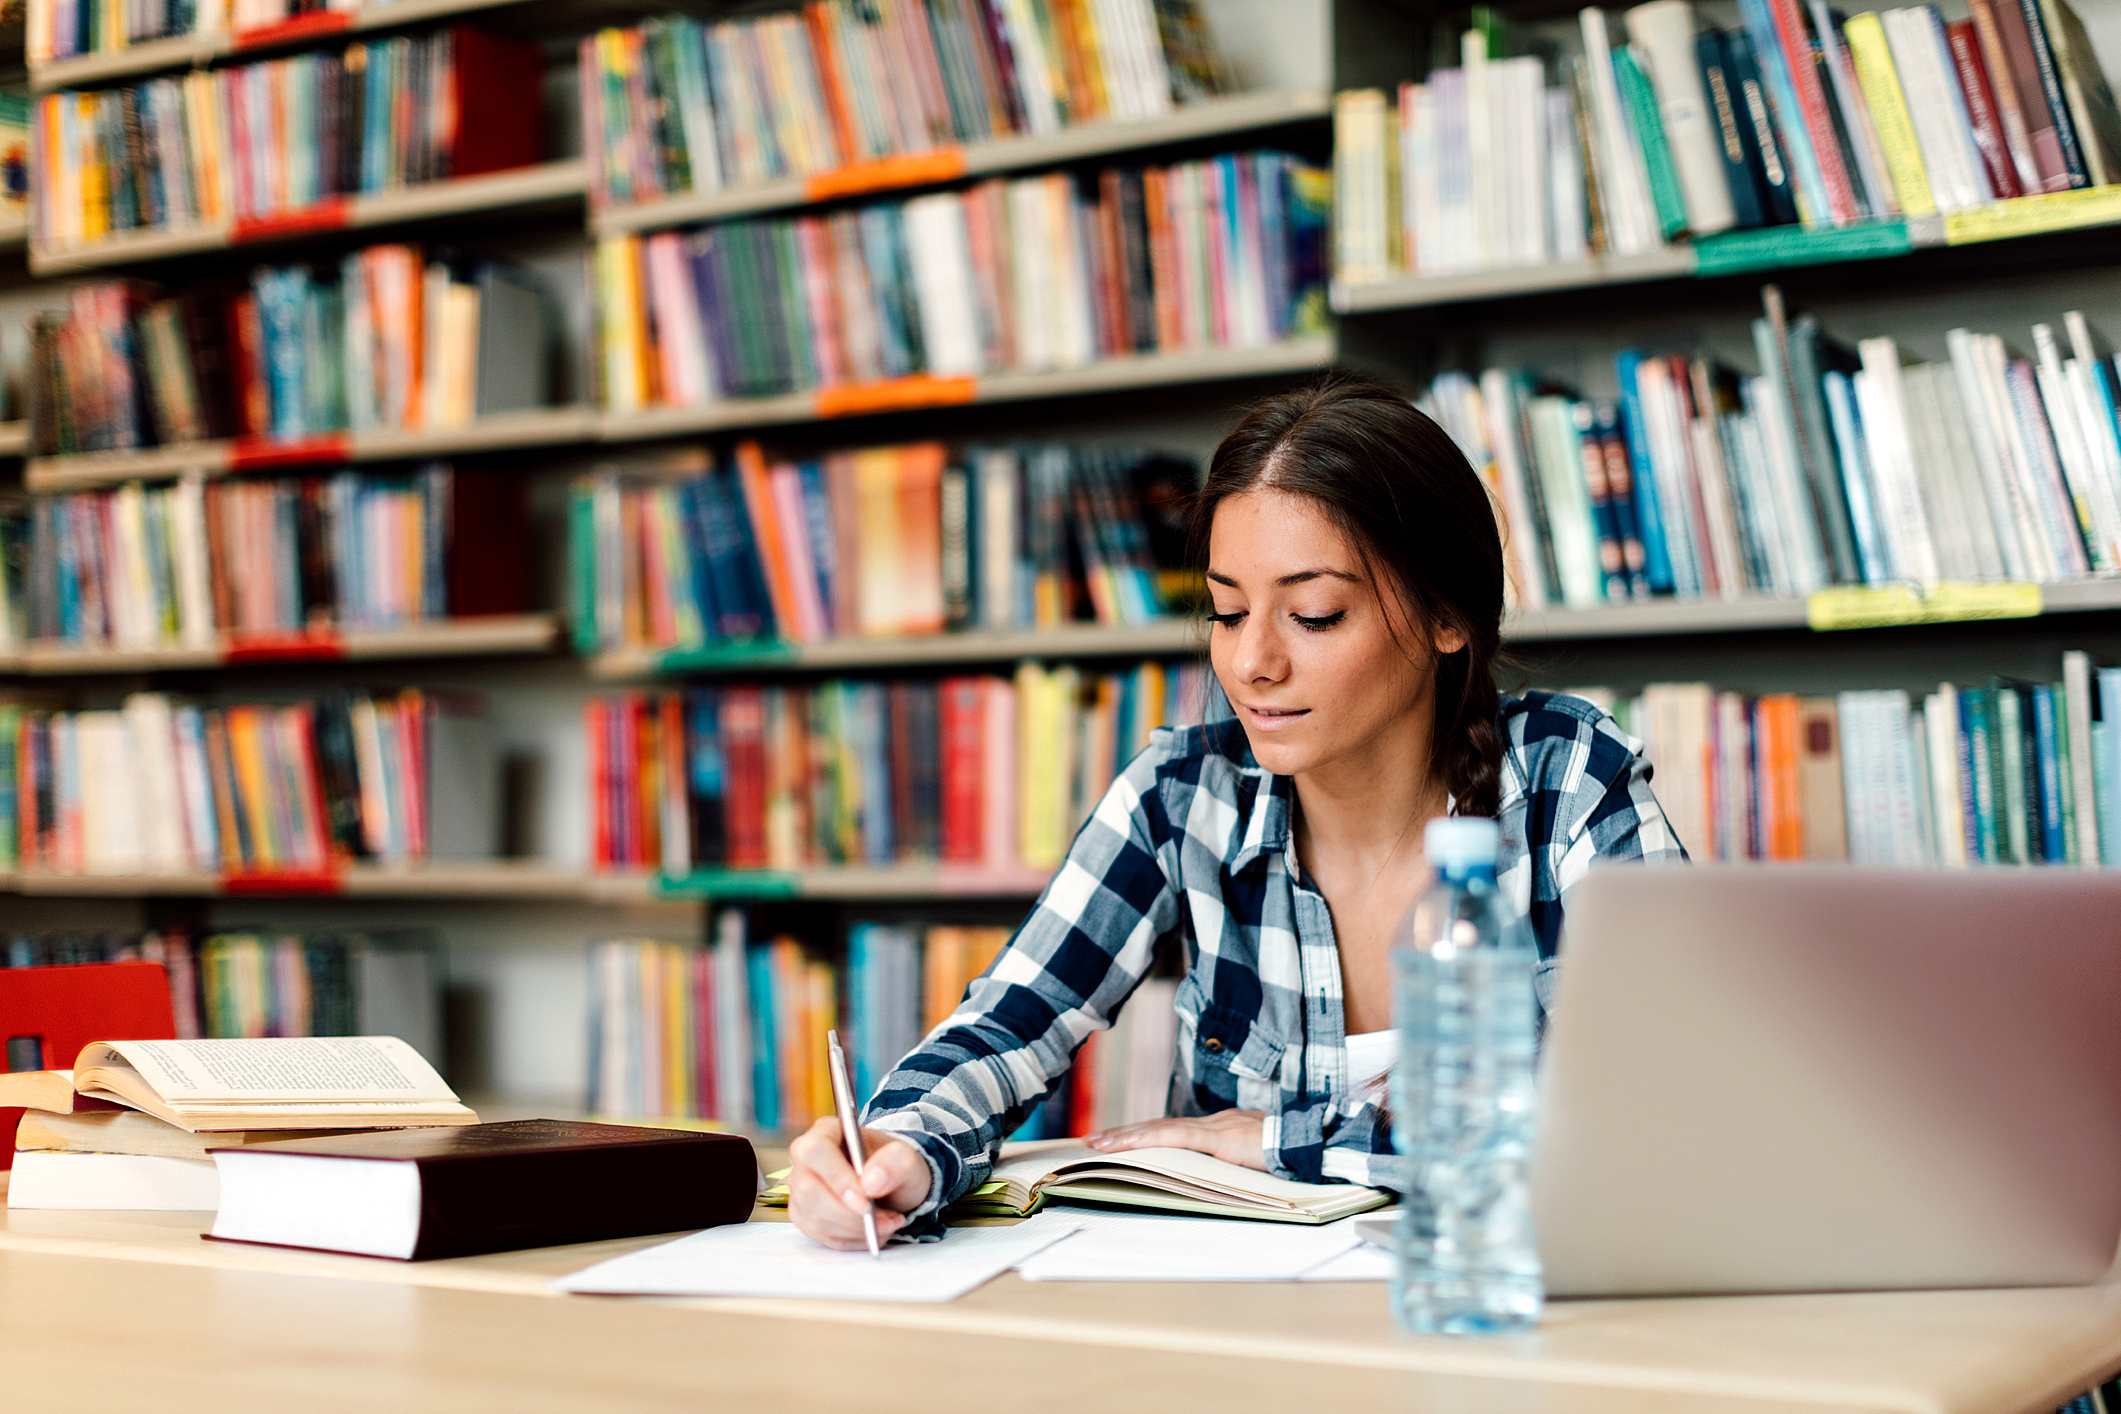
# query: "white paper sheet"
1363, 1262
773, 1259
1132, 1247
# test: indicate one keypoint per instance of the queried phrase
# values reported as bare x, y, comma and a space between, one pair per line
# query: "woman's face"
1305, 644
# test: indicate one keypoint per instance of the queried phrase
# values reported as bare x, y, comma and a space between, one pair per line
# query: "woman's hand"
1234, 1136
826, 1198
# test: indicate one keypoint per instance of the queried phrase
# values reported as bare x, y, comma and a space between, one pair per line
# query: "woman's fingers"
1234, 1136
896, 1174
826, 1197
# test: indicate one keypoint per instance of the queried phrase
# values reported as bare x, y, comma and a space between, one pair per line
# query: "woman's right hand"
826, 1198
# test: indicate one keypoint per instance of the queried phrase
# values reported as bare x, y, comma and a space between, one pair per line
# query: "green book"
2065, 782
1640, 100
1977, 712
582, 567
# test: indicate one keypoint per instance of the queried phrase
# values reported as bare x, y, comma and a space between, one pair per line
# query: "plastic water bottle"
1462, 1097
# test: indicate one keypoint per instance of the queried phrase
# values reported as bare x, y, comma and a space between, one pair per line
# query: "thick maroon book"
416, 1194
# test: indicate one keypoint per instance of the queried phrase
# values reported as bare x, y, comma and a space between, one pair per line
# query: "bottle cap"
1455, 843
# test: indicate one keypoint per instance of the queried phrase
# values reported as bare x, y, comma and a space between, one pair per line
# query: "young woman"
1357, 579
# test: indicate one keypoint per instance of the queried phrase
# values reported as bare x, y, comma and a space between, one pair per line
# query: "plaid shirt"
1192, 846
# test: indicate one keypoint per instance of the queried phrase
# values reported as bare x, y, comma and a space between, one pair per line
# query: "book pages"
280, 1070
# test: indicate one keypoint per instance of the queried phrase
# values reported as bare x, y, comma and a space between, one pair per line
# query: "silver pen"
843, 1101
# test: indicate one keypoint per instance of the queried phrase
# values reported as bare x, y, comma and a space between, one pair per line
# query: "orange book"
648, 779
1111, 292
298, 734
790, 1009
825, 45
766, 533
253, 781
943, 952
820, 1015
920, 527
412, 768
1078, 56
879, 545
221, 771
1775, 750
1163, 257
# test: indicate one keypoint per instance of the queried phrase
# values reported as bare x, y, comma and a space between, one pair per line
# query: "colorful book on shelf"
1025, 275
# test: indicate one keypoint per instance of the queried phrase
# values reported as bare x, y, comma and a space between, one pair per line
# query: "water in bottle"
1462, 1096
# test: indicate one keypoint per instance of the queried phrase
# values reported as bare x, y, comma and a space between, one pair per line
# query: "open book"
1168, 1180
338, 1082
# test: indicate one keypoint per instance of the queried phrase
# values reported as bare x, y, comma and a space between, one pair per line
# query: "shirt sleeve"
1086, 945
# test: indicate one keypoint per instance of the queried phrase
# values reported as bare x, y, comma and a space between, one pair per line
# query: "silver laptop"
1819, 1078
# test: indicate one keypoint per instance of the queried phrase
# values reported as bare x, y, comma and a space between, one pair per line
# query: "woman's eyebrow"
1299, 577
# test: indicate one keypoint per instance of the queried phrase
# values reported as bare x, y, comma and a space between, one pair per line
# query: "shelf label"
266, 453
897, 394
315, 646
310, 26
251, 882
326, 215
728, 883
912, 169
1889, 605
1779, 246
2030, 215
757, 653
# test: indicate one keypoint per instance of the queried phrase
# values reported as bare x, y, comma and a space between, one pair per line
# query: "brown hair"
1398, 488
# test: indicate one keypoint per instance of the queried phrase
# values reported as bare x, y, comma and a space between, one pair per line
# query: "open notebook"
1028, 1176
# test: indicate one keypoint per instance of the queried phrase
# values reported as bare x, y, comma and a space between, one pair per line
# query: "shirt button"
1212, 1046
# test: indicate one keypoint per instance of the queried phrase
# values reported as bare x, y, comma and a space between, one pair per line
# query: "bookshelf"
499, 635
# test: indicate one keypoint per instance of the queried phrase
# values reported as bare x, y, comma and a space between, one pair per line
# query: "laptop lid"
1815, 1078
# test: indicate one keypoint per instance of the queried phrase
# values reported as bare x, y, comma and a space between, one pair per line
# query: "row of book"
977, 770
59, 29
392, 338
243, 982
163, 786
735, 1031
1020, 275
1833, 465
2005, 772
257, 141
674, 105
1798, 114
181, 565
879, 542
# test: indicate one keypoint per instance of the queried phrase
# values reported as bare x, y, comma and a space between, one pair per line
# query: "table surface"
120, 1310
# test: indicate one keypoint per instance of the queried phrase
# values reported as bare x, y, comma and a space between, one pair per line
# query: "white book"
998, 819
1529, 161
1933, 474
1717, 506
1670, 445
1076, 344
1914, 845
1483, 170
1566, 222
1880, 198
51, 1179
1631, 220
1034, 70
732, 1021
1031, 233
1559, 458
1663, 31
942, 282
2033, 460
1923, 81
1418, 180
2079, 413
202, 833
1359, 148
1756, 517
1941, 712
2077, 687
1960, 125
998, 550
160, 793
2009, 517
1955, 435
1459, 249
1885, 436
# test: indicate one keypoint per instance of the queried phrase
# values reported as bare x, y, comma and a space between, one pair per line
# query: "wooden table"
125, 1311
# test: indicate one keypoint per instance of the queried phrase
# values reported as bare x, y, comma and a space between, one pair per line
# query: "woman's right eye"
1228, 620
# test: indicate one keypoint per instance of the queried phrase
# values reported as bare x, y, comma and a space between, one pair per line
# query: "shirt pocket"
1232, 1055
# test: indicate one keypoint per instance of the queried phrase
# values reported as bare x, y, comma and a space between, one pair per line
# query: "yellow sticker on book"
2030, 215
1948, 601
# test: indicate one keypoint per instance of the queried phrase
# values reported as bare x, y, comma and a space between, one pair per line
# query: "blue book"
705, 777
1656, 555
739, 586
765, 1067
873, 732
2106, 721
824, 544
1978, 731
2054, 842
279, 296
1739, 146
1781, 93
1847, 420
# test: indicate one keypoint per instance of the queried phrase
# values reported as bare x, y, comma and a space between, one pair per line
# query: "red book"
246, 344
599, 784
66, 1008
744, 761
625, 784
964, 721
1981, 108
1811, 97
492, 109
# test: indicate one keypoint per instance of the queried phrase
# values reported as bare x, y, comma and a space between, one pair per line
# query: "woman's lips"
1274, 719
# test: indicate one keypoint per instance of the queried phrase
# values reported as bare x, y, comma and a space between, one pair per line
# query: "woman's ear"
1447, 640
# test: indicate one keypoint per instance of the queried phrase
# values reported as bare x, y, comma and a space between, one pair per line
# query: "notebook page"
774, 1259
1131, 1247
284, 1069
1174, 1163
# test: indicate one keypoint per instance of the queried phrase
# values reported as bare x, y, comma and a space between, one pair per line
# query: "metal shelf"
1216, 118
548, 184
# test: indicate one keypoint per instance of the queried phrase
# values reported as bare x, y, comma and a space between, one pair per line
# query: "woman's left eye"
1319, 624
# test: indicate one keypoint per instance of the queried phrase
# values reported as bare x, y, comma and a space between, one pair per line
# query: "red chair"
68, 1007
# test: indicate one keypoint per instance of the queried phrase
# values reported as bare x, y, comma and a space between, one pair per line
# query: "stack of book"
366, 983
61, 29
1834, 465
254, 142
987, 771
674, 105
2008, 772
187, 563
163, 786
883, 541
735, 1031
392, 338
1025, 275
1798, 114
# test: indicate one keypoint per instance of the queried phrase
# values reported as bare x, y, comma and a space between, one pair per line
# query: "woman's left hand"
1234, 1136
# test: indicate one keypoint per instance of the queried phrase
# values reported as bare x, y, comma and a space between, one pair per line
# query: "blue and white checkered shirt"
1192, 848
